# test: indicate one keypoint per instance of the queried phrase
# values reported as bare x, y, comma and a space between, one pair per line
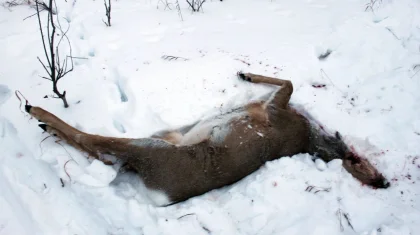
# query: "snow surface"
124, 88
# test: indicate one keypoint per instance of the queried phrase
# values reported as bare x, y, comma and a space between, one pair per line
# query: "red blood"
378, 154
274, 184
353, 157
414, 159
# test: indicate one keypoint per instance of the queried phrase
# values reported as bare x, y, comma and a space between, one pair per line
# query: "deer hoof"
28, 108
43, 126
380, 183
243, 76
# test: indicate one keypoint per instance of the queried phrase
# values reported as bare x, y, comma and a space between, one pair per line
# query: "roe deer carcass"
180, 164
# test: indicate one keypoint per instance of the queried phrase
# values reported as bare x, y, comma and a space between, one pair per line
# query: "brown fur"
213, 153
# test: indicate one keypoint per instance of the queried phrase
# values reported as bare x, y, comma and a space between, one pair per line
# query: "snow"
124, 88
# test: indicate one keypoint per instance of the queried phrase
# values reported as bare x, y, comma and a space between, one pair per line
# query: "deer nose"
381, 183
386, 184
28, 108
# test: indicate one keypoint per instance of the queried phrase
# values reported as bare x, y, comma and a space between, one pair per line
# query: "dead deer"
216, 152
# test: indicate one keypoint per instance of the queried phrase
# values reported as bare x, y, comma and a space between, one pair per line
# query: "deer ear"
338, 135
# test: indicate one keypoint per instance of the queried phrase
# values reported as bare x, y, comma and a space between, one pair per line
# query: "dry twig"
169, 57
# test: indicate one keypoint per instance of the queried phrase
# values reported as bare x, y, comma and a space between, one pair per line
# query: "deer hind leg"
281, 98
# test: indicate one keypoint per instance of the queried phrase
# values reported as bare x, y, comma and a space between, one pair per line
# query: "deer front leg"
61, 130
281, 97
125, 149
61, 136
50, 120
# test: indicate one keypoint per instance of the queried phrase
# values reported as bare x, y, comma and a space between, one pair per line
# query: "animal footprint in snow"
187, 30
4, 93
155, 35
91, 52
234, 20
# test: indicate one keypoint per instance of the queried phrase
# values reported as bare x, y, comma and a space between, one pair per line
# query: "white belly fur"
151, 196
213, 129
158, 198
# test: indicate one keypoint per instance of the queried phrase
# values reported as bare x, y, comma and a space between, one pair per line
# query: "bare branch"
42, 34
57, 68
105, 23
12, 3
44, 66
165, 3
31, 16
80, 58
107, 13
347, 217
57, 59
201, 4
178, 8
46, 78
191, 5
196, 5
372, 4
